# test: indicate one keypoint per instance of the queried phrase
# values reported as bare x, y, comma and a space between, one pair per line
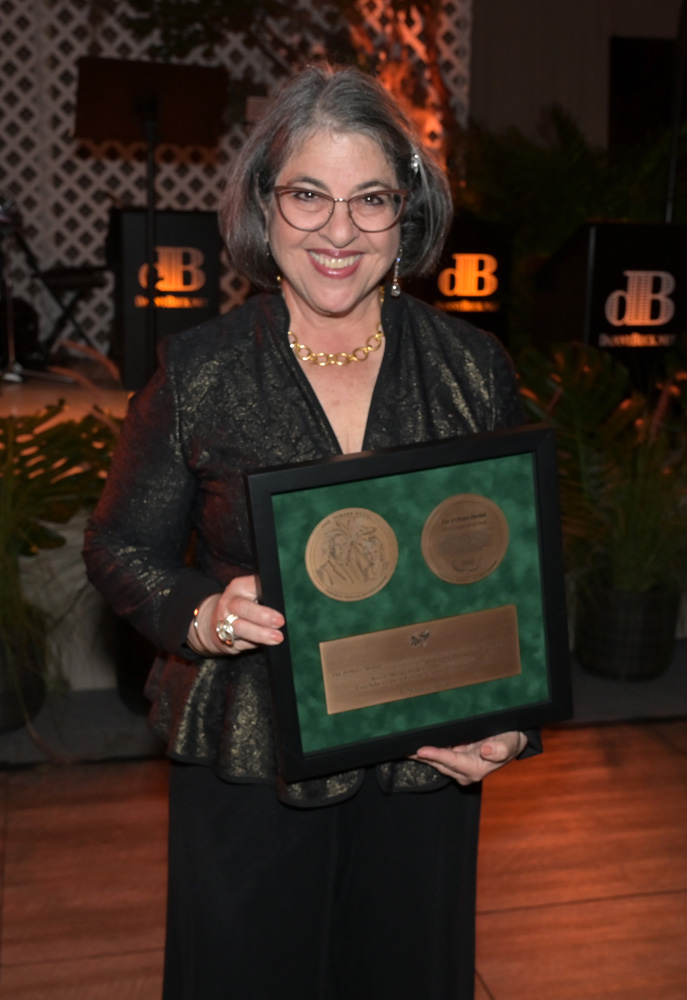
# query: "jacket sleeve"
137, 540
534, 744
506, 403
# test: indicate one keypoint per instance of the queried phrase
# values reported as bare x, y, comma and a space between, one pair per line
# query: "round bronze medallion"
465, 538
351, 554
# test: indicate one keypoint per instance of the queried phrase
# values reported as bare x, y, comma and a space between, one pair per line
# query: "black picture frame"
403, 485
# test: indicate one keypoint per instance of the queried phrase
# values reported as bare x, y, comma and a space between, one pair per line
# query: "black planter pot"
624, 634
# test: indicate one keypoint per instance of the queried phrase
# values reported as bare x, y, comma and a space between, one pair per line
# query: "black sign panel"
471, 279
617, 285
187, 287
637, 291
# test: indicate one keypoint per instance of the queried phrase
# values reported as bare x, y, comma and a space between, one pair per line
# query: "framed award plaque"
424, 598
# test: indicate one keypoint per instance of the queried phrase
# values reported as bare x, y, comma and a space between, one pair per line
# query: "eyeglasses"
309, 210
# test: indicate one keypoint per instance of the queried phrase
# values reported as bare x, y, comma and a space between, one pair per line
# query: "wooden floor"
582, 886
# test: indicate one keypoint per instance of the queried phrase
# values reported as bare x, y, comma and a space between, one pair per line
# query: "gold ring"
225, 629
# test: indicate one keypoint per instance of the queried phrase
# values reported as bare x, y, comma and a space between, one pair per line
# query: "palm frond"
622, 459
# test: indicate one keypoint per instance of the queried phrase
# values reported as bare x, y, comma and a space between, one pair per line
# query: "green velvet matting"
413, 595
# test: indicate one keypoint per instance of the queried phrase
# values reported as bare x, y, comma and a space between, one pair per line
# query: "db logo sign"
178, 268
473, 274
645, 302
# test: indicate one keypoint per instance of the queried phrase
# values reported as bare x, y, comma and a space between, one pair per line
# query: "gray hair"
344, 100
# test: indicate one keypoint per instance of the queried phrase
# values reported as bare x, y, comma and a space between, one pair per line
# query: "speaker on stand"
13, 370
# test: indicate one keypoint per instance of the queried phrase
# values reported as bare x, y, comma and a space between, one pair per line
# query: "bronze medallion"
351, 554
465, 538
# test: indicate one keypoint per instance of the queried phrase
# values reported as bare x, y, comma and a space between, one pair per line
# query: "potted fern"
623, 479
50, 469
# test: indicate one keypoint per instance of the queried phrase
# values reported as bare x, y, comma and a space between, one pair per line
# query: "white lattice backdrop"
402, 39
62, 189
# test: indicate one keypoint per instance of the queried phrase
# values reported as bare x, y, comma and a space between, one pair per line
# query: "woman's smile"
334, 262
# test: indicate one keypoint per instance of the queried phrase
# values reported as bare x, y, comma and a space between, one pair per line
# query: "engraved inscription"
465, 538
392, 664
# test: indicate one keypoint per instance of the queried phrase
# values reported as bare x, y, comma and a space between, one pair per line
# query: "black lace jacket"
228, 396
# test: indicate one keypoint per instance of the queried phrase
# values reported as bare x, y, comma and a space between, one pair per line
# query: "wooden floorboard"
481, 992
110, 977
582, 878
582, 889
602, 813
84, 862
627, 949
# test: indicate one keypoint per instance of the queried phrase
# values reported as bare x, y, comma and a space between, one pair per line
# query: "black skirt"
370, 898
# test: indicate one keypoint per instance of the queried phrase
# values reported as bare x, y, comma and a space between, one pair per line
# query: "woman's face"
336, 270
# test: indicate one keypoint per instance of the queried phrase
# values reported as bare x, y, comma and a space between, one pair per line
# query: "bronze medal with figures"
465, 538
351, 554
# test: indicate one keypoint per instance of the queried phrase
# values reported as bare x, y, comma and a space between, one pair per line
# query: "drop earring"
268, 251
395, 284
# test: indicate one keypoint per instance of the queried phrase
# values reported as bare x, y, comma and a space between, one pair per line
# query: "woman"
353, 885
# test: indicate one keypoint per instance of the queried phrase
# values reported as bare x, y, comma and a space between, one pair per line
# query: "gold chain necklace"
322, 358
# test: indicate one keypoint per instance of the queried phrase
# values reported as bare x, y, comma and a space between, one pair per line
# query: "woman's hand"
254, 625
470, 762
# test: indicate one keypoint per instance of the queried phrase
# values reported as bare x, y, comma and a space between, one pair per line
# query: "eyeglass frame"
403, 192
